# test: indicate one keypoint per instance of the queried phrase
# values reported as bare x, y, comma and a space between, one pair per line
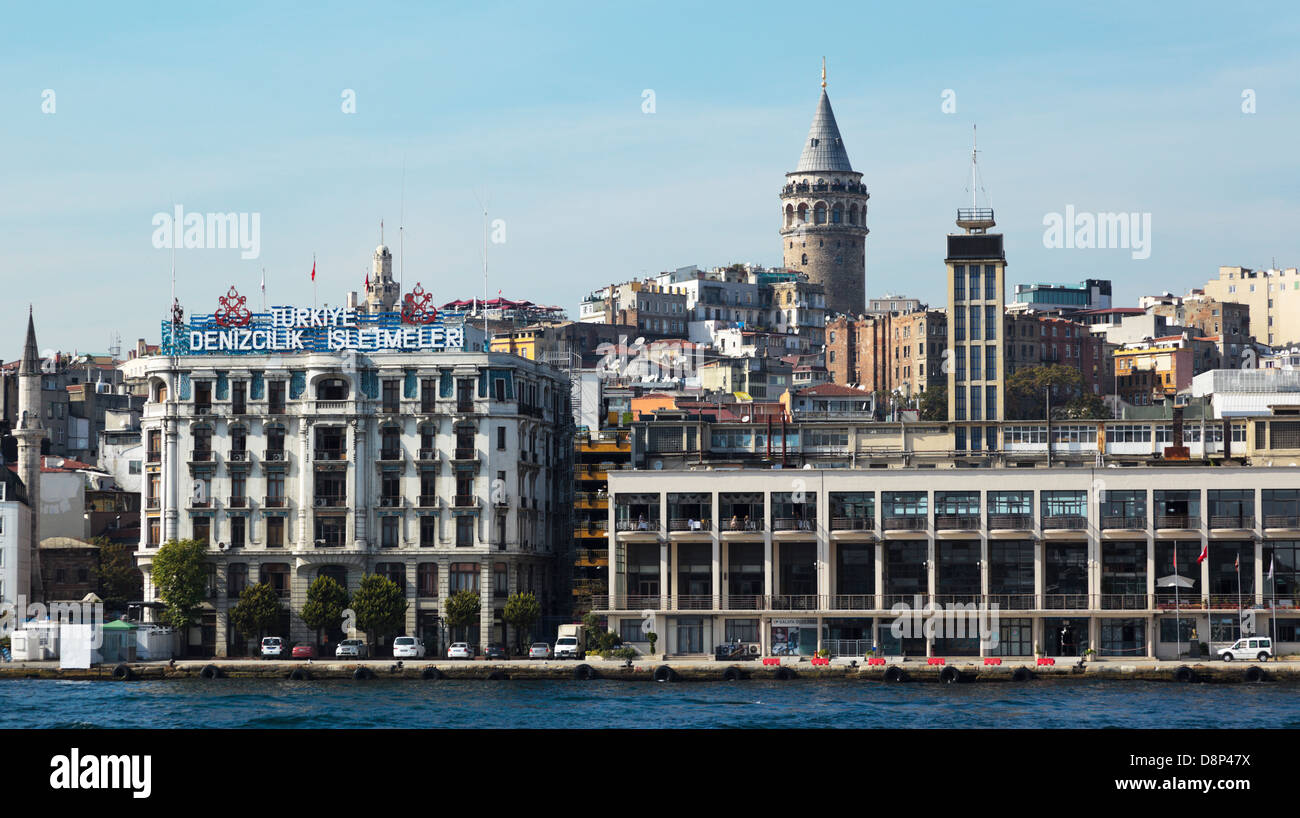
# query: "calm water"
229, 703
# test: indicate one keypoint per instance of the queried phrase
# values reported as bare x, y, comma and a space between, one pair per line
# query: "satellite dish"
745, 419
222, 546
657, 465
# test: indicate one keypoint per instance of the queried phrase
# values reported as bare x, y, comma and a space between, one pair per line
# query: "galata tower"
824, 215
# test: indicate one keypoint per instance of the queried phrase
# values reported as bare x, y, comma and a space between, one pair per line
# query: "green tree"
380, 606
1028, 390
181, 576
463, 609
934, 402
326, 602
257, 611
120, 581
522, 610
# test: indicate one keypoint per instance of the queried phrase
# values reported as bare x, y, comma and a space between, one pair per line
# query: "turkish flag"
1205, 552
313, 269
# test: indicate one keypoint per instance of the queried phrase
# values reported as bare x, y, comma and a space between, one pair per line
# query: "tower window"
805, 259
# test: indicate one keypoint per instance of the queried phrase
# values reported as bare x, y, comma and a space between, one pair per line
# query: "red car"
304, 650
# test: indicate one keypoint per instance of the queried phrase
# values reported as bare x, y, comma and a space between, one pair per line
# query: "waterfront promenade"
894, 669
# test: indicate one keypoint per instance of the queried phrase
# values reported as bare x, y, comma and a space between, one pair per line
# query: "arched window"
803, 211
805, 258
332, 389
819, 213
789, 215
853, 214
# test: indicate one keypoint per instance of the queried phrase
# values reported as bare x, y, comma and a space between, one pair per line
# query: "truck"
570, 642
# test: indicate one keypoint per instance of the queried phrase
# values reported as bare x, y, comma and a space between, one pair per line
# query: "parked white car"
353, 648
408, 647
273, 646
460, 650
1254, 647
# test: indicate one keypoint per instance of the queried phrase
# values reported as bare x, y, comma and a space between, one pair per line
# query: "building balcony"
275, 502
202, 456
689, 524
1281, 521
205, 502
911, 522
152, 504
426, 456
327, 407
1186, 522
590, 500
1066, 602
1233, 521
390, 408
237, 502
390, 456
427, 501
1065, 522
957, 522
1126, 602
238, 456
743, 526
153, 457
327, 501
331, 455
466, 501
275, 456
1124, 523
591, 558
392, 501
637, 525
465, 454
591, 530
867, 524
794, 524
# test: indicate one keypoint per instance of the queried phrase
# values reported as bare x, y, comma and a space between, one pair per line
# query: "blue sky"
535, 109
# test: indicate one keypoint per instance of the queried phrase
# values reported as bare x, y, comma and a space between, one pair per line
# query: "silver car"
539, 650
352, 649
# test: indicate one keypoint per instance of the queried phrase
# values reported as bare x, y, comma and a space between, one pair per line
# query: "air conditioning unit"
320, 502
753, 648
221, 546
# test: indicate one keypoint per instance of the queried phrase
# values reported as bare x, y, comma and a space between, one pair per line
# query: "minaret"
824, 215
382, 295
29, 433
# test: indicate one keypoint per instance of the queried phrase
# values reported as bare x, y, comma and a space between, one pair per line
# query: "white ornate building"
442, 470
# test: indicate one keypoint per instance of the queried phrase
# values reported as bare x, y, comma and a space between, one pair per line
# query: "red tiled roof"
833, 390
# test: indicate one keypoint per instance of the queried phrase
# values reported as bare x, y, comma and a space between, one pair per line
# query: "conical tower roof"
824, 149
31, 362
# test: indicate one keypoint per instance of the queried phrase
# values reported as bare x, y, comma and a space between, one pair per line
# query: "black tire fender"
123, 672
664, 673
732, 674
300, 674
431, 674
785, 674
894, 673
1254, 674
949, 675
1022, 674
363, 673
584, 673
499, 676
1184, 674
210, 672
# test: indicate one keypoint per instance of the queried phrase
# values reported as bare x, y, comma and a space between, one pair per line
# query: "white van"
1253, 647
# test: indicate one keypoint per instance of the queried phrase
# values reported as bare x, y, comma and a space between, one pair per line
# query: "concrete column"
717, 566
663, 575
1151, 636
485, 611
222, 604
360, 466
768, 568
171, 469
672, 575
306, 478
1261, 593
412, 598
